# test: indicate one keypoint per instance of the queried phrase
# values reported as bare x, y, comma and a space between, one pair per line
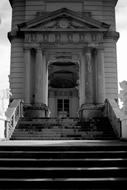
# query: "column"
89, 77
100, 95
82, 80
45, 81
38, 77
41, 82
27, 57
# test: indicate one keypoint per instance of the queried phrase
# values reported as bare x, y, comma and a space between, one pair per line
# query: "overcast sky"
5, 15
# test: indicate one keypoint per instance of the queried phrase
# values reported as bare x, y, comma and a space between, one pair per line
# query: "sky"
5, 24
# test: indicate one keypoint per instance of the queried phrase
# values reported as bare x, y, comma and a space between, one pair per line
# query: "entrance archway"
63, 93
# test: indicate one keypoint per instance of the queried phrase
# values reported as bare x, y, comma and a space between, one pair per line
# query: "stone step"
65, 154
63, 183
63, 162
65, 128
62, 172
63, 165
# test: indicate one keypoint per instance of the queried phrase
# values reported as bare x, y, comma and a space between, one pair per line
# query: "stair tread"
65, 179
63, 168
66, 165
66, 151
63, 159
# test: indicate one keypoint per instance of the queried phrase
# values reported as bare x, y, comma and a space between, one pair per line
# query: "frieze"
63, 37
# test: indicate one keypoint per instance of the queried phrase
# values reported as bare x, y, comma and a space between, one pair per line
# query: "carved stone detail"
64, 23
63, 37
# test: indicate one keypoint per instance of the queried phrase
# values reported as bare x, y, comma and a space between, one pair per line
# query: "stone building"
63, 55
63, 80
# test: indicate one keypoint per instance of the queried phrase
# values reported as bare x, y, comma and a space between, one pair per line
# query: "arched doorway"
63, 93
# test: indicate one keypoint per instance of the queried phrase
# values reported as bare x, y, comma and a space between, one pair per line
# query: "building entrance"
63, 93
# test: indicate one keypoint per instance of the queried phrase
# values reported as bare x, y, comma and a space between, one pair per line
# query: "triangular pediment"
63, 19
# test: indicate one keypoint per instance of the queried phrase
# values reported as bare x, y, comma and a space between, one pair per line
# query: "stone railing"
13, 114
117, 118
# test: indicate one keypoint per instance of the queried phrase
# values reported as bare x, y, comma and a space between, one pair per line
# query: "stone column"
45, 81
100, 95
82, 80
89, 77
27, 60
38, 77
41, 78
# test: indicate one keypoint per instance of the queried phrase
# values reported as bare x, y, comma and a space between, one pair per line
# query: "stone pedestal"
88, 111
36, 111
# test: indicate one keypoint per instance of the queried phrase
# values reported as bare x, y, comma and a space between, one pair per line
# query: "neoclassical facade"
63, 54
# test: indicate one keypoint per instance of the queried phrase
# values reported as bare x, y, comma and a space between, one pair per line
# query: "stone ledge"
36, 110
90, 111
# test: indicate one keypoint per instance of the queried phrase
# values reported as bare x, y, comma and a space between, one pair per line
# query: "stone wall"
17, 69
18, 12
110, 69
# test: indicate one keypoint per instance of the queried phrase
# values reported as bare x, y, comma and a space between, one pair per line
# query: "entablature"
62, 26
63, 37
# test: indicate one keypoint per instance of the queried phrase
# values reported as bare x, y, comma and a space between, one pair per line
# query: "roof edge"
10, 2
63, 11
116, 1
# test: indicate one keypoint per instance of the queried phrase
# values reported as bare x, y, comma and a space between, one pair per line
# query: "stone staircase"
62, 129
65, 165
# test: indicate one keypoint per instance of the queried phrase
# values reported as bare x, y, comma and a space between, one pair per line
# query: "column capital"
87, 49
100, 47
27, 48
40, 49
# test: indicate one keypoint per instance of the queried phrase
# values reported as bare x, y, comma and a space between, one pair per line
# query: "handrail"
115, 115
13, 114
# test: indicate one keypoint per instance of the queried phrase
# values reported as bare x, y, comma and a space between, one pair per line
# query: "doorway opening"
63, 93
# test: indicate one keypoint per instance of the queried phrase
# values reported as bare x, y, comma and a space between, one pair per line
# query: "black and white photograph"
63, 95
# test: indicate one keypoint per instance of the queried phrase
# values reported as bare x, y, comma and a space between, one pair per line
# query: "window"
63, 106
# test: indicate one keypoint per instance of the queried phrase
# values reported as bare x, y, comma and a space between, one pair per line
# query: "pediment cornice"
63, 20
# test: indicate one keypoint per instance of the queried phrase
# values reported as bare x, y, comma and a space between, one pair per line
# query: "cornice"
114, 2
14, 34
113, 35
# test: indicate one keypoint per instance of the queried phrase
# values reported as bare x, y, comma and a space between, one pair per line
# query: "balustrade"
13, 114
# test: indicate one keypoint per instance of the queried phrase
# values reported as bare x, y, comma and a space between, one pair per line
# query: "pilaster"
100, 97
